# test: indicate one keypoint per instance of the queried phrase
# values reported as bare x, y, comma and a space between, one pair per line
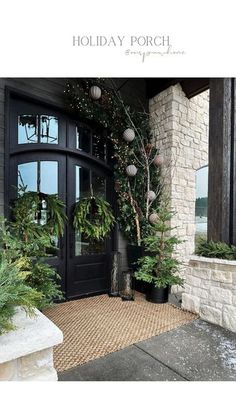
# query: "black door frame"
48, 152
100, 258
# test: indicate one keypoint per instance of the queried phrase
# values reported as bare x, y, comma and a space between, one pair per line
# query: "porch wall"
180, 128
27, 352
210, 290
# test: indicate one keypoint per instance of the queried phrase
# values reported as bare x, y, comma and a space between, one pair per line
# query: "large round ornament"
131, 170
153, 218
129, 135
151, 196
158, 160
95, 92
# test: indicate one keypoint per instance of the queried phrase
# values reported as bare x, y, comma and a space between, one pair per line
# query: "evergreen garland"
111, 112
220, 250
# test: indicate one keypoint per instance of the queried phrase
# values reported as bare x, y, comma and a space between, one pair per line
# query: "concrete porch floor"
198, 351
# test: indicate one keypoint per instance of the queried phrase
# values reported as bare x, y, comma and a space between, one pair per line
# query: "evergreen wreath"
93, 216
28, 206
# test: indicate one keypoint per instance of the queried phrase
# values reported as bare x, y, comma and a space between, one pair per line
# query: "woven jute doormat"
96, 326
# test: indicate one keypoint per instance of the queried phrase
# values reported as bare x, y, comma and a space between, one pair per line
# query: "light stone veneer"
210, 290
26, 354
180, 130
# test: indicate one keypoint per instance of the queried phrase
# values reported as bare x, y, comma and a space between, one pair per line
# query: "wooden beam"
221, 199
233, 164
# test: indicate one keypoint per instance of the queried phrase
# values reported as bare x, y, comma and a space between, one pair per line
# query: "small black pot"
158, 295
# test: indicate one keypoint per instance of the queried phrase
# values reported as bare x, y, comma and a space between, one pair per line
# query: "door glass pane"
82, 182
49, 177
99, 146
27, 176
40, 177
48, 129
48, 184
84, 246
27, 129
99, 185
83, 139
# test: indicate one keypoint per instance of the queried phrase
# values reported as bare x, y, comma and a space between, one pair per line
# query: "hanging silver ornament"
95, 92
153, 218
129, 135
151, 195
158, 160
131, 170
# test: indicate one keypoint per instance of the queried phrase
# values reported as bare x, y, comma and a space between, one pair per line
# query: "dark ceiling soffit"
191, 87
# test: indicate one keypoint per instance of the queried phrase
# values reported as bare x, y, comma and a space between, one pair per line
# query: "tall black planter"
134, 253
157, 295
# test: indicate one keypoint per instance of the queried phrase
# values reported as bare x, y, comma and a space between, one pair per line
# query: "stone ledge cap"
33, 334
196, 258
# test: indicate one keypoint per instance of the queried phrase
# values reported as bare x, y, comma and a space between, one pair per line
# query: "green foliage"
29, 243
111, 112
104, 112
28, 207
31, 257
93, 217
201, 207
213, 249
126, 154
160, 267
14, 292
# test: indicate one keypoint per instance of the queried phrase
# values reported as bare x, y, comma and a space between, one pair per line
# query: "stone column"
180, 129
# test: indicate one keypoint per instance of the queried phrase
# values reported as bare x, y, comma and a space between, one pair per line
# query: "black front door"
87, 260
69, 159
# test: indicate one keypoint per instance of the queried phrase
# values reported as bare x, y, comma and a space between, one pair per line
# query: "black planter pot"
157, 295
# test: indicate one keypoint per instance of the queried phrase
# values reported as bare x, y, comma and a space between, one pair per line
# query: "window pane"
99, 147
27, 129
49, 177
99, 185
27, 176
48, 129
84, 246
82, 184
201, 203
83, 139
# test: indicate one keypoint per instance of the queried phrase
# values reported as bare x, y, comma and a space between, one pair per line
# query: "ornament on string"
95, 92
158, 160
131, 170
153, 218
129, 135
151, 196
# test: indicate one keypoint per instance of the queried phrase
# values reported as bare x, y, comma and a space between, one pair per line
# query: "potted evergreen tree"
160, 268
